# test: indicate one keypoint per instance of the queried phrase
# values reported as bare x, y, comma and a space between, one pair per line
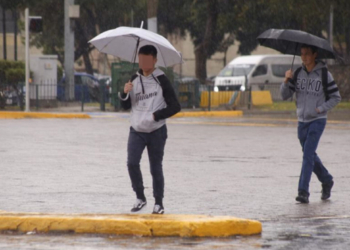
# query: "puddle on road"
13, 240
292, 233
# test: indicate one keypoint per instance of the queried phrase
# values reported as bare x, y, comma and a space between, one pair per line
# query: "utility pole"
34, 24
68, 51
331, 30
132, 18
4, 31
26, 16
152, 7
15, 34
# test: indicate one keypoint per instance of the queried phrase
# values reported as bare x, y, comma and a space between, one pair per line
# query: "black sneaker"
139, 204
302, 197
326, 190
158, 209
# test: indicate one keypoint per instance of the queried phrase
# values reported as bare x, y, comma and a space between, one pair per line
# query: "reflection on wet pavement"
211, 168
288, 234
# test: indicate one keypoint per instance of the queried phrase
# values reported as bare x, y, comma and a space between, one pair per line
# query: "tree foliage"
206, 21
212, 24
95, 17
12, 71
245, 20
311, 16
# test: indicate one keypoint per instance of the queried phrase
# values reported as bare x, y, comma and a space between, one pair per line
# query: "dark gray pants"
155, 143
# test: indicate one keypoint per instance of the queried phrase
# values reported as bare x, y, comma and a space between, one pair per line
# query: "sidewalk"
22, 115
71, 112
75, 112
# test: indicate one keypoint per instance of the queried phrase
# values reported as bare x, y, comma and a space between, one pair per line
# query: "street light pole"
26, 14
152, 6
331, 30
68, 50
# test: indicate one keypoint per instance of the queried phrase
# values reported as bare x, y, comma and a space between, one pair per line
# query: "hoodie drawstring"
143, 88
155, 79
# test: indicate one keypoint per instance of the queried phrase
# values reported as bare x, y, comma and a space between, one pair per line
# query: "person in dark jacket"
314, 98
152, 99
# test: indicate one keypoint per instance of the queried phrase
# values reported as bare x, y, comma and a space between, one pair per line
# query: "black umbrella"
289, 42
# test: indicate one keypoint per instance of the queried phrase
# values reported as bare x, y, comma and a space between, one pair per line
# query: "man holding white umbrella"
151, 98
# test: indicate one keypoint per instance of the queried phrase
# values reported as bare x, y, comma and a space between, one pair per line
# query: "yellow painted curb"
131, 224
210, 114
22, 115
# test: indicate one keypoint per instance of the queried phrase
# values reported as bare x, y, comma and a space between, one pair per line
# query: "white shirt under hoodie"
151, 100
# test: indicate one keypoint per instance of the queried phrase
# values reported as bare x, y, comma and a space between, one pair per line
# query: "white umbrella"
124, 42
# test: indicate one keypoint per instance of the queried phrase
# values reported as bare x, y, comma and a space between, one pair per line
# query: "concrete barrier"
261, 98
131, 224
223, 98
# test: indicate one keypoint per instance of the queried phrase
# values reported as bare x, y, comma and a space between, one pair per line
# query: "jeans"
309, 134
155, 143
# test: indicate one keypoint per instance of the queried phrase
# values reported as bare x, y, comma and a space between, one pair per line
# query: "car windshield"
236, 70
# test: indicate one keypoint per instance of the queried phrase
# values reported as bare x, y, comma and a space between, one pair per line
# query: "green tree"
207, 22
311, 16
342, 28
257, 16
95, 17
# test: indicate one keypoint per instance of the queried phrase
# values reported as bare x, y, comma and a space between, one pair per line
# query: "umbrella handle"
293, 63
290, 79
134, 59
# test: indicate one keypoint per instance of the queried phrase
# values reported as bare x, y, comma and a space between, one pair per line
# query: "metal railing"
191, 95
188, 93
12, 95
208, 99
51, 94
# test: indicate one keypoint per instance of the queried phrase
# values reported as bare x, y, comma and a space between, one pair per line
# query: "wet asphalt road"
243, 167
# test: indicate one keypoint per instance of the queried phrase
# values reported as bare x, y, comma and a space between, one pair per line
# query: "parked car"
11, 95
106, 80
84, 84
254, 71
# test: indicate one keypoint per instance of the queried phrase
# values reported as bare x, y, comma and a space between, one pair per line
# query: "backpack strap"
325, 82
133, 77
295, 75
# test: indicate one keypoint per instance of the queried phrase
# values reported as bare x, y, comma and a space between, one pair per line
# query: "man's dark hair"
313, 48
148, 50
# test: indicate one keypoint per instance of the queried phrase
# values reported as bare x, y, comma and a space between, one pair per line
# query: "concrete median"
22, 115
130, 224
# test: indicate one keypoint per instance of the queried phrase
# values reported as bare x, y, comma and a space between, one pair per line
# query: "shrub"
15, 75
12, 70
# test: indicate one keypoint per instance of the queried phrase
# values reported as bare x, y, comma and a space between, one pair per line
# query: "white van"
254, 71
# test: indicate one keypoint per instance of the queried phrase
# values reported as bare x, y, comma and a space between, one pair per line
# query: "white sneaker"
139, 204
158, 209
